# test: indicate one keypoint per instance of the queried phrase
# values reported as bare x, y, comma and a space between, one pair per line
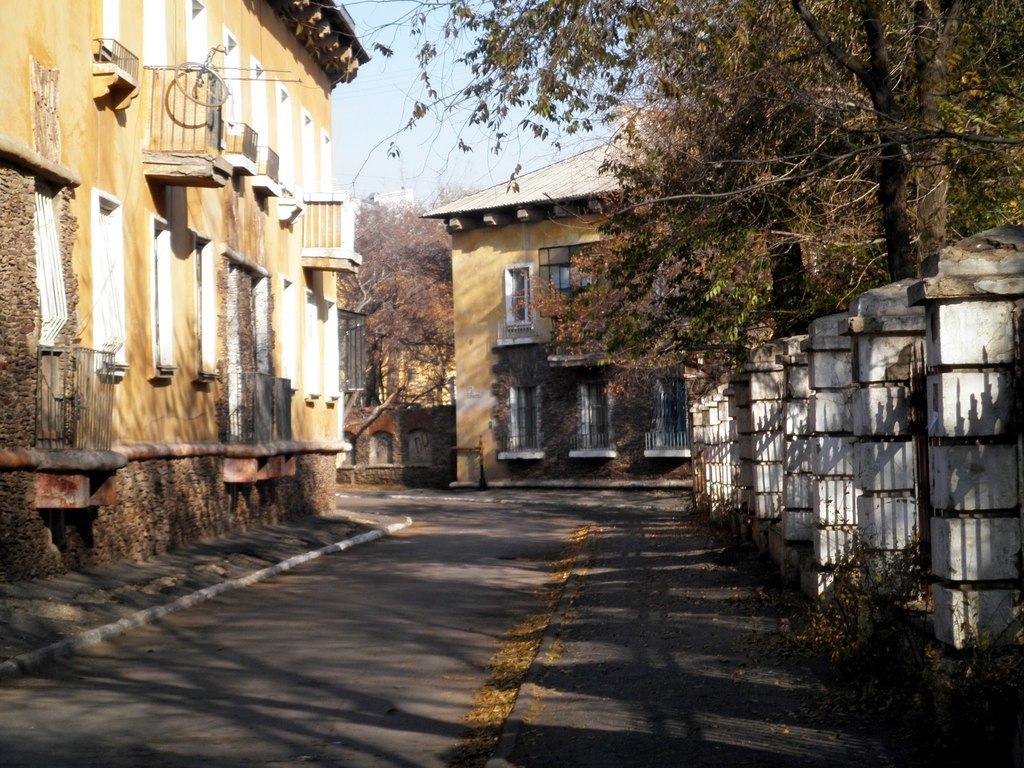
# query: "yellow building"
526, 412
169, 341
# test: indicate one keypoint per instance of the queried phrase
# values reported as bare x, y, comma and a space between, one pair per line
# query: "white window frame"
232, 67
326, 162
206, 308
309, 148
285, 136
332, 356
112, 19
516, 312
259, 101
53, 302
108, 283
289, 331
197, 34
154, 33
313, 373
162, 310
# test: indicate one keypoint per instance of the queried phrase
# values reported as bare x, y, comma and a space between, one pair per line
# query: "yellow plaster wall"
479, 258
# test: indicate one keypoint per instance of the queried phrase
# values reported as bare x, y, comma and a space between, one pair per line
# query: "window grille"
352, 349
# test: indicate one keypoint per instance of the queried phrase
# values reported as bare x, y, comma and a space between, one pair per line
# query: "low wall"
897, 421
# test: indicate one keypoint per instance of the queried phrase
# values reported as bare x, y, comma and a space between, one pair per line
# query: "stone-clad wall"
914, 406
161, 504
424, 465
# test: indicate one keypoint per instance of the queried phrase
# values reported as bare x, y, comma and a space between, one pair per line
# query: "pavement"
662, 651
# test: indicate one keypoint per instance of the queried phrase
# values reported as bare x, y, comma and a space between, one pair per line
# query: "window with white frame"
285, 141
594, 417
197, 44
53, 303
163, 306
206, 309
154, 33
671, 422
518, 298
332, 356
523, 419
289, 330
308, 151
112, 19
258, 99
313, 373
326, 162
232, 67
108, 287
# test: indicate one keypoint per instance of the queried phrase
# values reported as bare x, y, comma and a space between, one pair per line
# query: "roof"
328, 33
575, 178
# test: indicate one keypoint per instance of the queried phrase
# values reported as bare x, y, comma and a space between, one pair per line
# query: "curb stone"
32, 660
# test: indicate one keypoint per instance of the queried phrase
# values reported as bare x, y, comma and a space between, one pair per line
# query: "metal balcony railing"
74, 398
523, 442
282, 409
268, 163
176, 123
250, 407
666, 440
520, 331
241, 140
592, 441
113, 52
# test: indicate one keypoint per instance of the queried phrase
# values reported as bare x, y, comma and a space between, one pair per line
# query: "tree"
404, 287
781, 155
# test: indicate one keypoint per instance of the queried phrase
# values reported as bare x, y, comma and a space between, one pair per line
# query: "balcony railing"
184, 138
666, 440
592, 441
240, 148
328, 233
74, 398
112, 52
517, 443
267, 180
520, 332
259, 408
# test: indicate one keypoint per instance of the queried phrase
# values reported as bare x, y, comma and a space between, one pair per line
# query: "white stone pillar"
797, 479
742, 454
767, 388
973, 295
885, 332
833, 500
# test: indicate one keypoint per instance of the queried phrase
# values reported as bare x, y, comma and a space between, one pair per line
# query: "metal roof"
575, 178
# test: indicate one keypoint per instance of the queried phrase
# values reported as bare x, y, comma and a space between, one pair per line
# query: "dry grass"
493, 703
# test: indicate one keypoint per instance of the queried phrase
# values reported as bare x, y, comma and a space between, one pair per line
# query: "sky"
371, 113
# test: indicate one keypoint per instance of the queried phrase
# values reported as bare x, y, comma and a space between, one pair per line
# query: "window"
671, 422
308, 151
522, 419
557, 270
108, 278
196, 35
381, 448
258, 85
289, 330
154, 33
518, 309
326, 162
352, 350
313, 373
285, 143
206, 309
419, 448
332, 361
231, 70
53, 303
594, 423
163, 307
112, 19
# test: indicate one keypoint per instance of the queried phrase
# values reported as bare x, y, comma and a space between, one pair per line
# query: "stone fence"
898, 420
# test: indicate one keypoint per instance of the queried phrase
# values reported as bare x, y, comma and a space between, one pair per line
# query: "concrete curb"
27, 662
525, 697
470, 499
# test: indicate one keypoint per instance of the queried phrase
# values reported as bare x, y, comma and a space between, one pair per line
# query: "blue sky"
372, 111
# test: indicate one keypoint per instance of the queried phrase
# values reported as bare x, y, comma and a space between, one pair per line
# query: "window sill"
594, 453
520, 455
667, 453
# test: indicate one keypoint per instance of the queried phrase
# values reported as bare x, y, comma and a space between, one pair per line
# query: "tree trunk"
892, 199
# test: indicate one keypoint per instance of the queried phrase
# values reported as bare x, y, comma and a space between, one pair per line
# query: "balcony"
259, 408
577, 356
519, 332
74, 399
115, 73
328, 233
240, 149
183, 141
267, 181
666, 444
592, 445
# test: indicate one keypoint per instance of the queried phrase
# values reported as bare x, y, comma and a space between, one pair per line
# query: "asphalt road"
366, 658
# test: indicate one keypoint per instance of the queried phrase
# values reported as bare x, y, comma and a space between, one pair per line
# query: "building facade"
527, 412
169, 343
